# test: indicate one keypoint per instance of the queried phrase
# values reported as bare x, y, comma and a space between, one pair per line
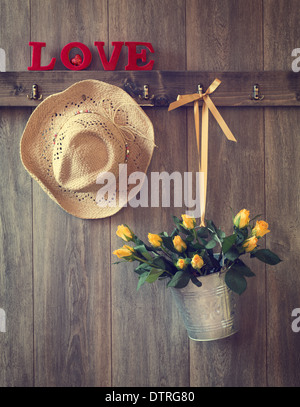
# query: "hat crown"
86, 145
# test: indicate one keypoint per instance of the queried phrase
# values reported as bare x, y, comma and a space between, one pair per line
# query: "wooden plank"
282, 127
16, 360
282, 192
71, 256
234, 178
149, 343
16, 343
279, 88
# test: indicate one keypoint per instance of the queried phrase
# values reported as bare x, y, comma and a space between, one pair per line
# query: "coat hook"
145, 95
256, 93
35, 93
146, 92
200, 88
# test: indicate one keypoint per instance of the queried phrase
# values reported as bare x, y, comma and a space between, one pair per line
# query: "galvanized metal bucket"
209, 312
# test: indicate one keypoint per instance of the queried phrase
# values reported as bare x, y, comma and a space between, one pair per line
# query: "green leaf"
210, 245
142, 268
241, 235
203, 241
141, 249
164, 264
195, 247
179, 226
168, 243
142, 279
235, 281
267, 256
154, 274
228, 242
138, 241
232, 254
202, 232
180, 280
196, 281
211, 226
221, 234
240, 267
176, 220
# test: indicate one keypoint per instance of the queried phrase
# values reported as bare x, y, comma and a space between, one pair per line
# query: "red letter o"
87, 56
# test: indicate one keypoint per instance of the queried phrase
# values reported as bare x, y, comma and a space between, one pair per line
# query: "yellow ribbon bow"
203, 158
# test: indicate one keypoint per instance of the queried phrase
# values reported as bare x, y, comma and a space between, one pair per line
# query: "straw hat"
76, 136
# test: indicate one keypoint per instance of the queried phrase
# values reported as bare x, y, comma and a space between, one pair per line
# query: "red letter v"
111, 65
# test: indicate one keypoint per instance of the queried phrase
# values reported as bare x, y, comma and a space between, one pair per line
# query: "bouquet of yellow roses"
190, 252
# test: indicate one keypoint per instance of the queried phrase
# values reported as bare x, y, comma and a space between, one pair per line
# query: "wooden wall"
75, 320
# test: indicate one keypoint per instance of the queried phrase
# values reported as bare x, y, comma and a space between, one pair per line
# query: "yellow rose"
125, 251
124, 233
155, 240
260, 229
188, 221
179, 244
242, 219
250, 244
181, 264
197, 262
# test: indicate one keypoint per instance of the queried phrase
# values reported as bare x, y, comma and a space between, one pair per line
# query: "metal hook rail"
159, 88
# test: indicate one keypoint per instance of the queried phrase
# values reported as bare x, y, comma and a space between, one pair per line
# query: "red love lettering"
36, 58
133, 56
87, 56
111, 65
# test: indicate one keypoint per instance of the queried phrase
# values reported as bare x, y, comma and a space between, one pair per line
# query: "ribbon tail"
203, 151
202, 154
219, 118
197, 126
203, 162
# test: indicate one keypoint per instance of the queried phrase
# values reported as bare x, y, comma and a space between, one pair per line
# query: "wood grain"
149, 342
60, 22
282, 128
16, 344
71, 257
234, 179
282, 191
72, 318
16, 290
162, 23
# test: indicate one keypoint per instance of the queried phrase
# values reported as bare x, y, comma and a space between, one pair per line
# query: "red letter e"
133, 56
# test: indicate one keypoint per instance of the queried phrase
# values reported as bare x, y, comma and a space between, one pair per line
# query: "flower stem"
147, 262
164, 250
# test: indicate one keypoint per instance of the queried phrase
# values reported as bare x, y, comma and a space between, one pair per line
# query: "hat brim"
36, 147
